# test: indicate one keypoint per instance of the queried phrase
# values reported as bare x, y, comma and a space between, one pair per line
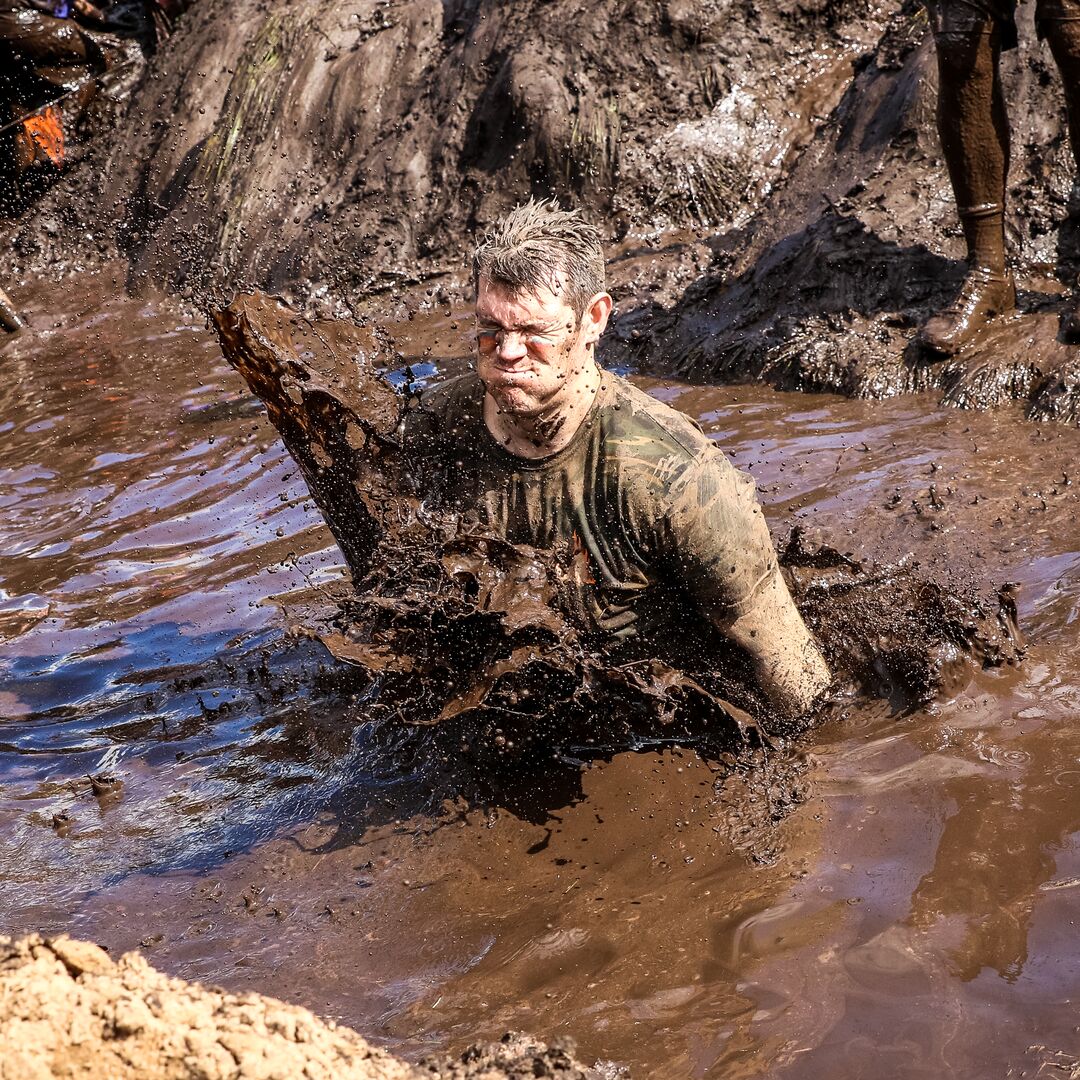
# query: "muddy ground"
339, 152
67, 1009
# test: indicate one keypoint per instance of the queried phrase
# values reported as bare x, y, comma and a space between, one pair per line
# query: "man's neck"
550, 430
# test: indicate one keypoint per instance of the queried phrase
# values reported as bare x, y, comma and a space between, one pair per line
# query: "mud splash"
473, 626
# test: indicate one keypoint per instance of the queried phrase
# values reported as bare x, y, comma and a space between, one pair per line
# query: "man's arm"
787, 662
720, 547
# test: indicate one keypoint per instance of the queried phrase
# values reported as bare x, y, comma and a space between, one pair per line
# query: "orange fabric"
45, 133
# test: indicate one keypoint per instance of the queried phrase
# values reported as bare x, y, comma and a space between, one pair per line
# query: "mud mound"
353, 145
339, 151
68, 1010
467, 633
860, 242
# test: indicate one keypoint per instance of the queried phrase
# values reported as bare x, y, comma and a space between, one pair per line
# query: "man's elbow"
790, 666
795, 686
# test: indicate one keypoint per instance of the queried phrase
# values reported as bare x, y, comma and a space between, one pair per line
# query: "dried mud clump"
68, 1010
465, 633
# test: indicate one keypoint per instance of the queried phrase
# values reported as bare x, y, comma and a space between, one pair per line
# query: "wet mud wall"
337, 152
339, 148
860, 241
67, 1009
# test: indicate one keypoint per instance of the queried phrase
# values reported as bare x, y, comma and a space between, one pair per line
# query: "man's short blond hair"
526, 250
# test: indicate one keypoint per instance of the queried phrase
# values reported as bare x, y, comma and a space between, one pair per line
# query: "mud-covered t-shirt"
660, 527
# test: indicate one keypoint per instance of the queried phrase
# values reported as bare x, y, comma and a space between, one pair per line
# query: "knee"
964, 58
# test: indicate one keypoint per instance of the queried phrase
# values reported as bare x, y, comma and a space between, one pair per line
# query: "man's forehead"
493, 298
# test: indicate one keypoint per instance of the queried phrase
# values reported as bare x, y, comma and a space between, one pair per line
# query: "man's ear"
597, 313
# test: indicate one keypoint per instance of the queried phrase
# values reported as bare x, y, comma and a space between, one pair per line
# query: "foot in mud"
984, 295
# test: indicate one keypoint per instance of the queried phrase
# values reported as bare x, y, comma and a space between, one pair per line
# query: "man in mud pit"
663, 536
974, 129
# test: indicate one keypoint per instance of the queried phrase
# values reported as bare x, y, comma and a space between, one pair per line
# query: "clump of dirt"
516, 1057
467, 634
68, 1010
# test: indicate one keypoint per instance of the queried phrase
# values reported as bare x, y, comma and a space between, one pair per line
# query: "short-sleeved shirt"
661, 529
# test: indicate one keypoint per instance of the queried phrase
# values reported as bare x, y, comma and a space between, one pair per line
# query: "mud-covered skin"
467, 630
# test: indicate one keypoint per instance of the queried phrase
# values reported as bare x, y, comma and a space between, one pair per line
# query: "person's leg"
1059, 23
974, 130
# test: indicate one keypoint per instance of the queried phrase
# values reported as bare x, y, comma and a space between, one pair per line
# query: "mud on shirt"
661, 528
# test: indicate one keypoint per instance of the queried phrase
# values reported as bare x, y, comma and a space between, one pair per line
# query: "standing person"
665, 539
974, 127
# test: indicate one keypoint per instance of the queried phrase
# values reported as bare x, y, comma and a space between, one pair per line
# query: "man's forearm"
788, 663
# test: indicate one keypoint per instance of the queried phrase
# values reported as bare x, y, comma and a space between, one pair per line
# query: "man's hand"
788, 664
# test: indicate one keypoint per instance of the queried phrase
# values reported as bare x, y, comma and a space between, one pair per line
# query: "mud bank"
348, 147
338, 152
68, 1010
824, 288
467, 631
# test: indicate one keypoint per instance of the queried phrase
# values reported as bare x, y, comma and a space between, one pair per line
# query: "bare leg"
974, 130
1064, 39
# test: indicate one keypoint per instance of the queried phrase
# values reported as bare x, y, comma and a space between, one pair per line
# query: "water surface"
914, 917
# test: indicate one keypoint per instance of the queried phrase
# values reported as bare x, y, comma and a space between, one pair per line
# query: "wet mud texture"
860, 242
340, 148
465, 632
68, 1010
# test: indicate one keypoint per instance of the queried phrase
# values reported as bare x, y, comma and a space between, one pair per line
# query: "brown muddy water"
912, 917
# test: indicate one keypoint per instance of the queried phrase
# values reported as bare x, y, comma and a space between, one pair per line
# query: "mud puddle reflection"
915, 911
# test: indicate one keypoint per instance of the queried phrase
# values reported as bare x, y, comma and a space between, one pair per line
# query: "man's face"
530, 348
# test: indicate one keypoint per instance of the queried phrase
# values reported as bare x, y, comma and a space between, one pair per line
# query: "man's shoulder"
641, 425
452, 396
445, 411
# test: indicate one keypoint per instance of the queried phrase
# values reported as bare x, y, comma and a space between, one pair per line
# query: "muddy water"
912, 917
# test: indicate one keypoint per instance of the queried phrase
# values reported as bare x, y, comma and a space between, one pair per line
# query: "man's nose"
512, 347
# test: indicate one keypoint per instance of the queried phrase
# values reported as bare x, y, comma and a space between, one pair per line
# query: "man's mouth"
513, 375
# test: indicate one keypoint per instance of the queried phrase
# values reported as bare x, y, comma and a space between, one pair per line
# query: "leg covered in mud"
974, 130
1059, 23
